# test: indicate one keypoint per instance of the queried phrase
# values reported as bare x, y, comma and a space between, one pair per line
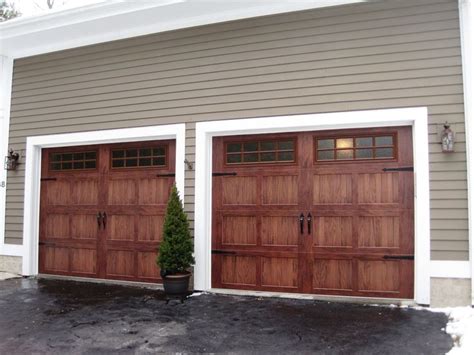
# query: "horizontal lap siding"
366, 56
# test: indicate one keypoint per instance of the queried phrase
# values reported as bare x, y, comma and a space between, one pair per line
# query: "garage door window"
355, 148
253, 152
73, 161
135, 158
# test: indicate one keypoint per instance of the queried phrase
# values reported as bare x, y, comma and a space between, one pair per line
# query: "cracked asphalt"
65, 317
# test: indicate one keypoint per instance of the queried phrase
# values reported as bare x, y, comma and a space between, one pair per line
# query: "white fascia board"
105, 22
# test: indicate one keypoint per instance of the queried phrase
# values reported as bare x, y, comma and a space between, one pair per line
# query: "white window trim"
33, 171
415, 117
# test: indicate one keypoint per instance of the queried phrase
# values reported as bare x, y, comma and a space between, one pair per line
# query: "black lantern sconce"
11, 160
447, 139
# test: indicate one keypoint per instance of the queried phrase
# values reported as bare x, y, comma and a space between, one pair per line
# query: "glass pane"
250, 147
384, 140
145, 161
131, 162
251, 158
145, 152
78, 156
56, 157
56, 166
286, 156
131, 153
159, 151
325, 143
268, 156
233, 158
267, 146
384, 152
344, 143
66, 166
90, 155
118, 153
79, 165
90, 164
159, 161
344, 154
118, 163
233, 147
364, 154
288, 145
364, 142
67, 156
326, 155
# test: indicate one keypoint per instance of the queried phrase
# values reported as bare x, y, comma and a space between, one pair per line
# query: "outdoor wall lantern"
11, 160
447, 139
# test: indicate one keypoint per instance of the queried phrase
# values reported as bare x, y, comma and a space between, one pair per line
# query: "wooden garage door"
316, 212
102, 209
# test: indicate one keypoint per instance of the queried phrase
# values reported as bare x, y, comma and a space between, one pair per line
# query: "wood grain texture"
280, 190
280, 272
239, 270
333, 274
332, 189
239, 190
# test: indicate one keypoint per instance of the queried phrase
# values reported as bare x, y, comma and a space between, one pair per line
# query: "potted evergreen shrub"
176, 249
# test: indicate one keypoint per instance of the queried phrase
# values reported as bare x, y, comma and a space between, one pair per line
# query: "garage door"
315, 212
102, 209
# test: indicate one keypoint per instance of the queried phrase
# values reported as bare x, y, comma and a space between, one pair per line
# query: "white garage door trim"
415, 117
33, 171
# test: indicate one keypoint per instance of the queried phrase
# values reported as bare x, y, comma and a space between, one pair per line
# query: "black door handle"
104, 220
310, 220
301, 223
99, 219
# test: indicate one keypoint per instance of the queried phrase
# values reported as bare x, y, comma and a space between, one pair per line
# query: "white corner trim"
33, 171
415, 117
6, 75
466, 15
450, 269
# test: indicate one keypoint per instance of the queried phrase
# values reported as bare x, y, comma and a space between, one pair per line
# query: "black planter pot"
176, 285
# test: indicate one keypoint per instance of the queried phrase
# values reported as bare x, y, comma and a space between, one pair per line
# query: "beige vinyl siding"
366, 56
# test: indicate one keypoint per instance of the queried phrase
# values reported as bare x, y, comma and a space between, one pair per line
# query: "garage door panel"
333, 231
122, 192
378, 188
58, 193
150, 228
153, 191
379, 276
280, 190
120, 263
333, 274
280, 231
379, 232
239, 190
57, 226
332, 189
239, 230
279, 272
121, 227
239, 270
83, 261
85, 191
147, 267
55, 259
84, 226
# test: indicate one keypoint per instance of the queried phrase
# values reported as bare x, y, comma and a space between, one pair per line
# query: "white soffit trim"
415, 117
466, 15
450, 269
33, 171
113, 20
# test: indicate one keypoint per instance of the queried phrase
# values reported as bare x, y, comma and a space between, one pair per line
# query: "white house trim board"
6, 74
33, 171
450, 269
466, 15
415, 117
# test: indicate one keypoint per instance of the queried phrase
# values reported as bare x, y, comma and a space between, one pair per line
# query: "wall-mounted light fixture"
447, 139
11, 160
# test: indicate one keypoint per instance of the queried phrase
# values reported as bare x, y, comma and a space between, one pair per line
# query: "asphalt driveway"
48, 316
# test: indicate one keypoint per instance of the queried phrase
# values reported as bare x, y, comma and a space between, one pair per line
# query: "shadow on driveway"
50, 316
